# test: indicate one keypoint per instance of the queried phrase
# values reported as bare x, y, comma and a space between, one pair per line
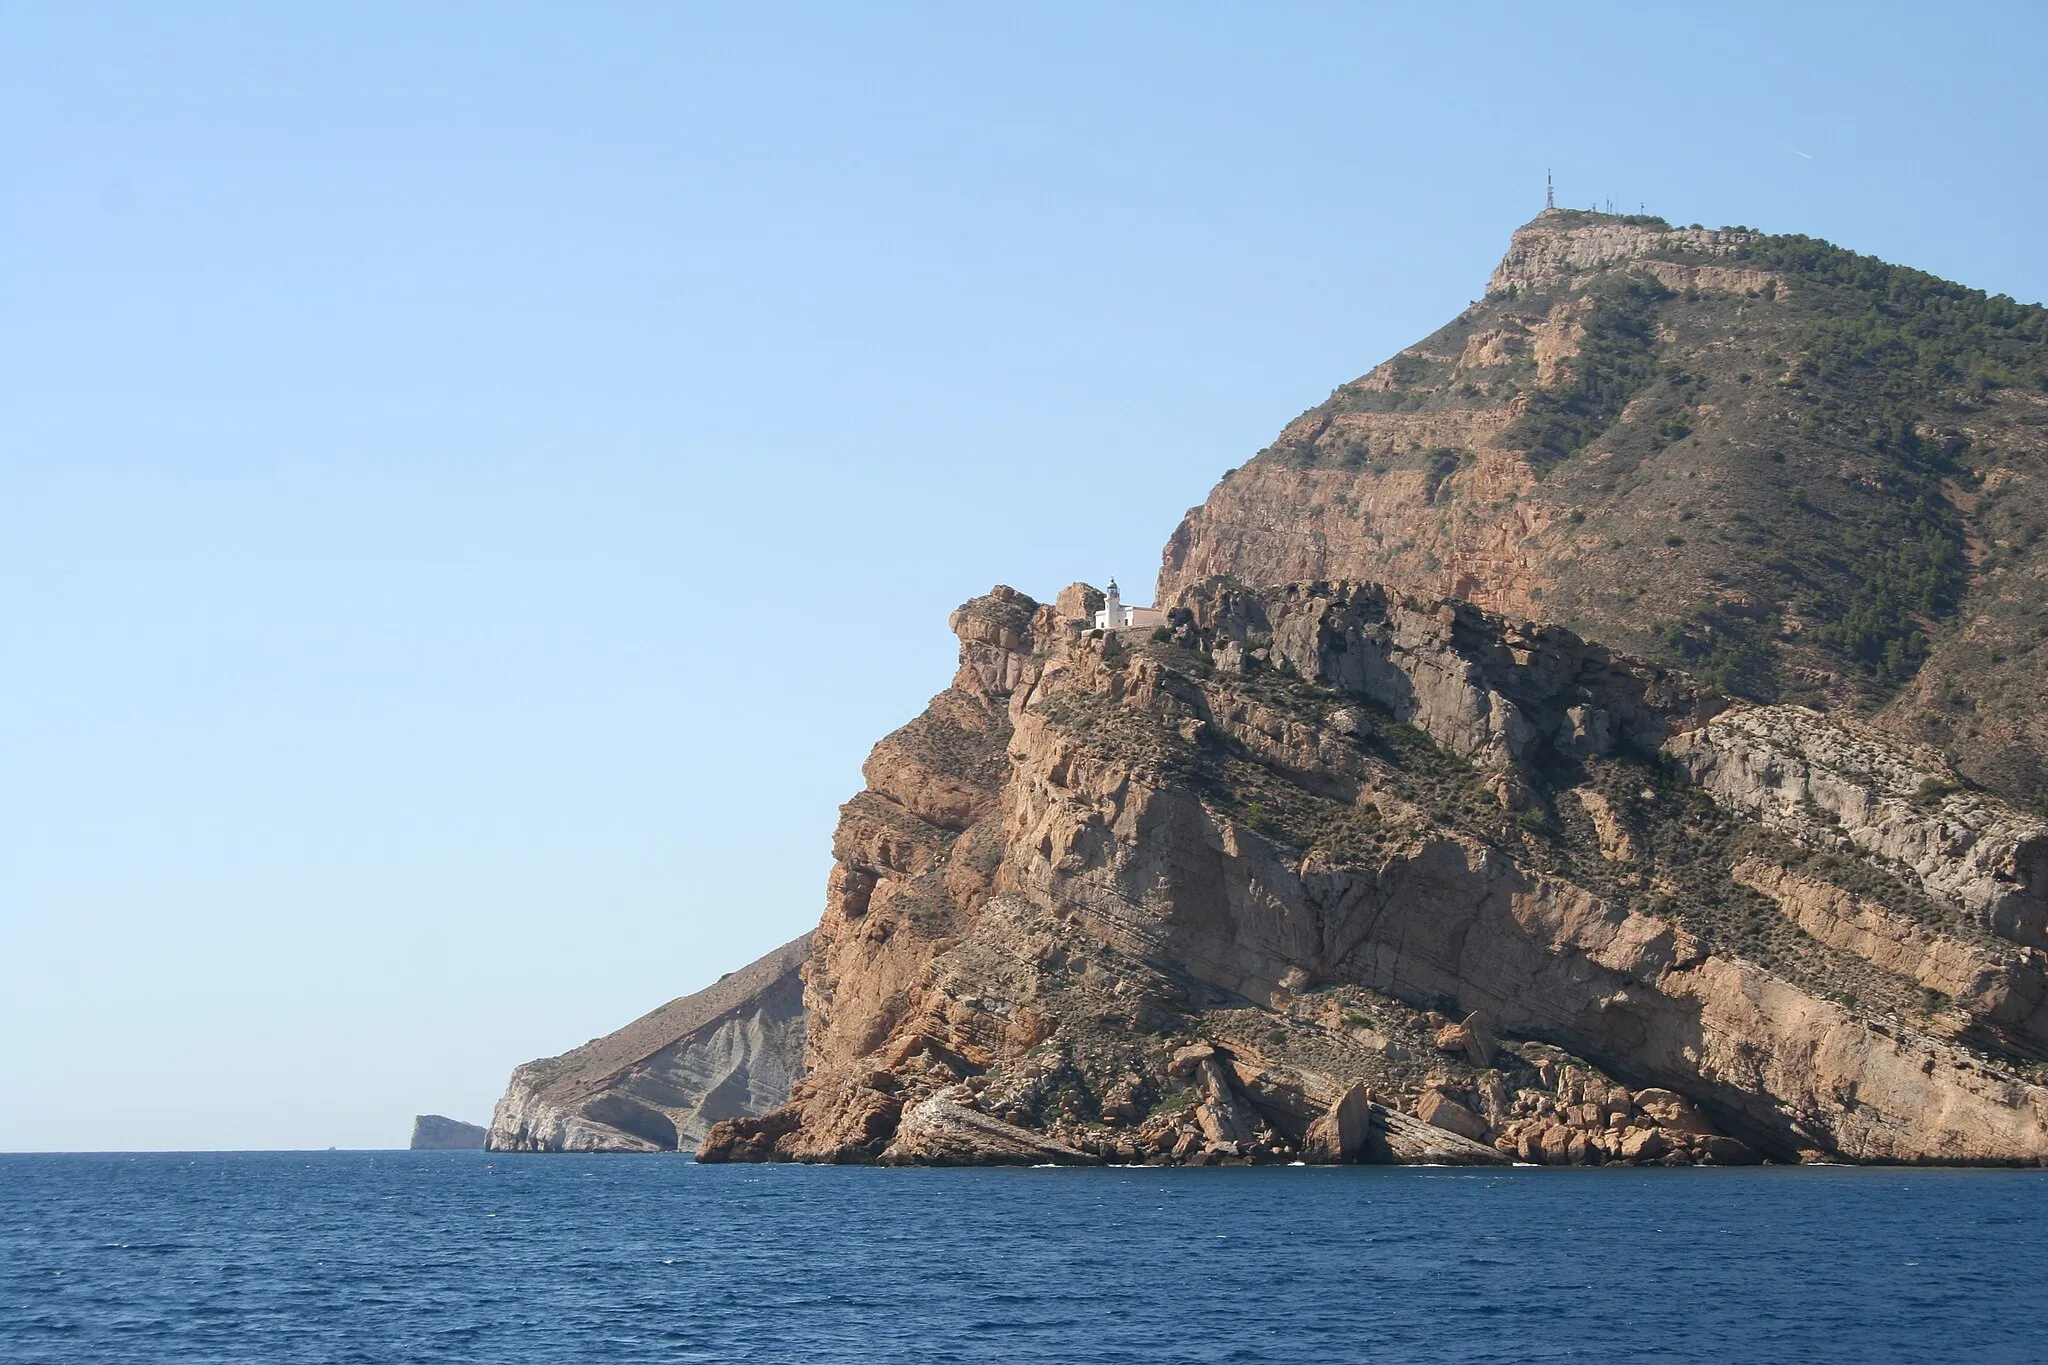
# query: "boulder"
1671, 1110
1441, 1111
1717, 1150
1340, 1134
1479, 1041
1224, 1118
1644, 1144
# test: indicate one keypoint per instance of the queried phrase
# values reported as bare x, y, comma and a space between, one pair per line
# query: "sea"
382, 1257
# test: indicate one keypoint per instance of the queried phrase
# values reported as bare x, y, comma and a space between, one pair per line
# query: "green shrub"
1615, 362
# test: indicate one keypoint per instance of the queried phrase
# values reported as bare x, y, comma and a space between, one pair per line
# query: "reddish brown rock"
1436, 1108
1340, 1134
1644, 1144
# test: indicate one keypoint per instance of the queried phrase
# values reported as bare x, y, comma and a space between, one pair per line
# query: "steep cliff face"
916, 854
658, 1084
1331, 872
1802, 474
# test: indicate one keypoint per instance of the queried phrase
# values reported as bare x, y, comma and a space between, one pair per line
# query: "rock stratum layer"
659, 1083
1329, 872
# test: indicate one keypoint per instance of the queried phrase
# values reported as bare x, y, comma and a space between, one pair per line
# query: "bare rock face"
1316, 877
1396, 1139
658, 1084
1989, 985
916, 854
1558, 249
437, 1133
1493, 693
1828, 787
1439, 1110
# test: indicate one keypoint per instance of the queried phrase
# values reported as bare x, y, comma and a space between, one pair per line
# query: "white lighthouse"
1116, 616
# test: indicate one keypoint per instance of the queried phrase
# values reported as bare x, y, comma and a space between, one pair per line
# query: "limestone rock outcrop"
941, 1131
658, 1084
1989, 984
1340, 1133
1559, 248
1828, 787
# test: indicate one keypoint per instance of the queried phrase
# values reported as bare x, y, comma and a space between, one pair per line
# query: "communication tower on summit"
1549, 192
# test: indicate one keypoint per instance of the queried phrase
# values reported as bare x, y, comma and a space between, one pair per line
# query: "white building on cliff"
1116, 616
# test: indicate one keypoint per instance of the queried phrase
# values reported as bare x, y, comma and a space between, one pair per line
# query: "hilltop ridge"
1803, 474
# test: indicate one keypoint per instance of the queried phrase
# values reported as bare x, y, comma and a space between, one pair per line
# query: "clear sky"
475, 479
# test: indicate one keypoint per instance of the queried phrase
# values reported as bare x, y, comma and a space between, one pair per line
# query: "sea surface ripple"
431, 1256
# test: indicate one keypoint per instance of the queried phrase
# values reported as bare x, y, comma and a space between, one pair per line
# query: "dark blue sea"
425, 1256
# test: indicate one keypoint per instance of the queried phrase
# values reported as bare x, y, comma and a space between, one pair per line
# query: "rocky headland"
1607, 732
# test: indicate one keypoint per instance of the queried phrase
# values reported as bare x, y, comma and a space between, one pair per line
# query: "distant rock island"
437, 1133
1608, 732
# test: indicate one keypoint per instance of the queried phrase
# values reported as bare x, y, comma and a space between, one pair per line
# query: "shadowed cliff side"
658, 1084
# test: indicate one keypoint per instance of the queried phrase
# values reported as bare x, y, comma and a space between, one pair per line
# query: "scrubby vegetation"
1727, 652
1616, 361
1905, 327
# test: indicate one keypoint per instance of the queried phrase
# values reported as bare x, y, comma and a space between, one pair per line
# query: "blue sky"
475, 480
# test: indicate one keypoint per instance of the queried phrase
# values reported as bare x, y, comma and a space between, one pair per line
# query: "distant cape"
438, 1133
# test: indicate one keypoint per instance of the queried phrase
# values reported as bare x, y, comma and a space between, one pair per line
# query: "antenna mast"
1549, 193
